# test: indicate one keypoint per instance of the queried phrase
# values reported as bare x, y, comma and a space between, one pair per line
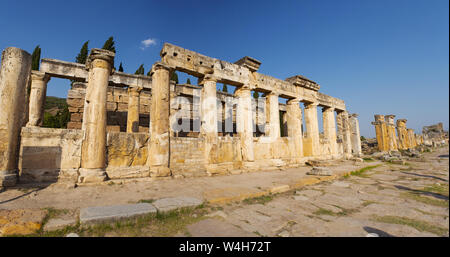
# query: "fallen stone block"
172, 203
320, 171
116, 212
279, 189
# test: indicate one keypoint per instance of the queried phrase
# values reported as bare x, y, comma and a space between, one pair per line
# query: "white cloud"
147, 43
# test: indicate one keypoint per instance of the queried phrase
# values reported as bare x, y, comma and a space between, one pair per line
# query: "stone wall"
117, 108
49, 155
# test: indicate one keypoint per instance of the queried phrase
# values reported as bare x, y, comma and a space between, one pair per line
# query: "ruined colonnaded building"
133, 126
394, 136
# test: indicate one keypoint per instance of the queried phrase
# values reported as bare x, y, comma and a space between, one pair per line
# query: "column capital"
134, 90
208, 78
311, 105
100, 54
354, 115
293, 101
39, 75
328, 109
159, 65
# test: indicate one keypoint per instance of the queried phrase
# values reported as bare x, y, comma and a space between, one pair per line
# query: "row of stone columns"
387, 139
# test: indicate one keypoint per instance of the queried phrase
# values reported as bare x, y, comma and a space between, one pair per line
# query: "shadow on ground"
425, 176
20, 196
381, 233
435, 195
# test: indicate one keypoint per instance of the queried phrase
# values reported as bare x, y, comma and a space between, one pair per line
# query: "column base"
91, 175
249, 166
160, 171
8, 178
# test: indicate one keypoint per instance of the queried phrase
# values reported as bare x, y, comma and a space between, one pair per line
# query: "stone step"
110, 213
172, 203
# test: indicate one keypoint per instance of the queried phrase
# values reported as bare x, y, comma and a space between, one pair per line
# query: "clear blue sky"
380, 57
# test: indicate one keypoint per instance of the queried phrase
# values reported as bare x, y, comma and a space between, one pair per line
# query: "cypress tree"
84, 51
120, 67
174, 77
188, 81
255, 94
35, 58
140, 70
109, 45
225, 88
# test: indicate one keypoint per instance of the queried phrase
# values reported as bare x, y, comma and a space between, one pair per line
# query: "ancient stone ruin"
131, 126
393, 136
435, 135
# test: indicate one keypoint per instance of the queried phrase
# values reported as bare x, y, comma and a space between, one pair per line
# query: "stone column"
355, 135
38, 93
312, 128
411, 138
93, 149
160, 122
14, 80
245, 123
133, 109
208, 129
294, 126
403, 142
381, 133
329, 128
344, 131
392, 137
273, 116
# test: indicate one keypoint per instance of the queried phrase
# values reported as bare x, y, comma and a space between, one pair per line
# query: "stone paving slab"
57, 223
116, 212
172, 203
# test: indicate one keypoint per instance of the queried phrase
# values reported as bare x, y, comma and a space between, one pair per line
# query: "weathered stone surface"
214, 228
168, 204
116, 212
320, 171
21, 221
58, 223
14, 81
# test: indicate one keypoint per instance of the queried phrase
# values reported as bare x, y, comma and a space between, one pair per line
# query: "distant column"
38, 93
412, 138
381, 133
312, 128
244, 120
294, 125
355, 135
329, 128
393, 145
133, 109
344, 127
273, 115
14, 80
160, 121
93, 151
403, 142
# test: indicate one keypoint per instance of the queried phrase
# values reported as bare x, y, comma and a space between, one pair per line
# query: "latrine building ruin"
128, 126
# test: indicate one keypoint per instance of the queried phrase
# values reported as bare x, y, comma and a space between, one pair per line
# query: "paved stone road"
390, 200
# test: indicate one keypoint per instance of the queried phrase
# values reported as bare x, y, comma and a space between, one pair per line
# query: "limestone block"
168, 204
320, 171
127, 149
75, 102
108, 213
48, 154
